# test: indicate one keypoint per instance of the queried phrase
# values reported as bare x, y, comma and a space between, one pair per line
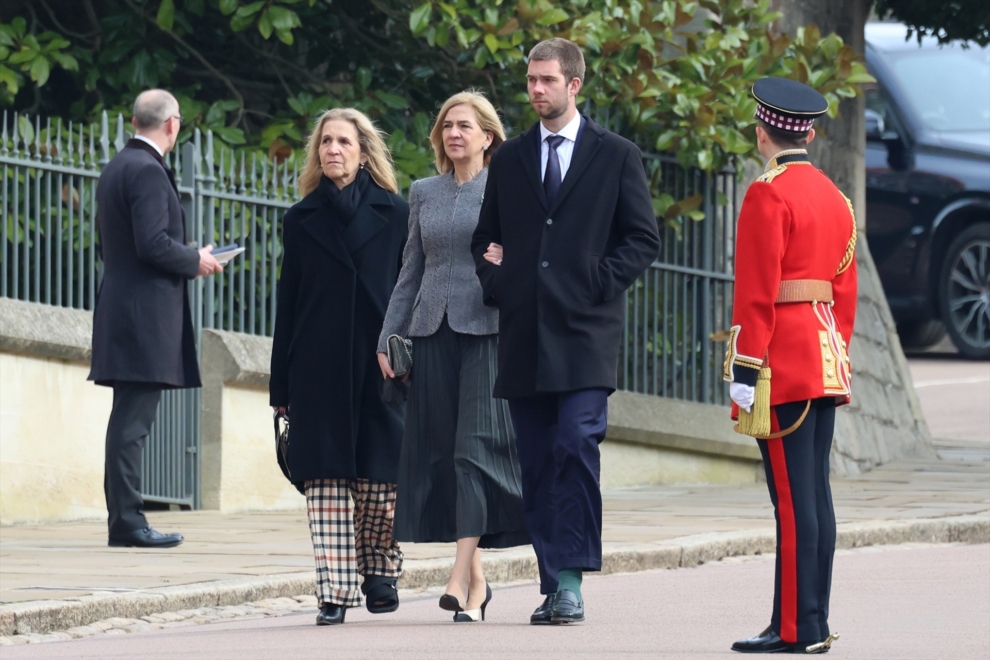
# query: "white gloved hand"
743, 395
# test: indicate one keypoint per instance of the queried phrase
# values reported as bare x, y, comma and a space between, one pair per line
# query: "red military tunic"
794, 225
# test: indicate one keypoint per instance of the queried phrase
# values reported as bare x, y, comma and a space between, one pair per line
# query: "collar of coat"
589, 140
343, 243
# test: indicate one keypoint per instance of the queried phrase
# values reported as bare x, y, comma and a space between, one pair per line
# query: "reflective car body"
928, 178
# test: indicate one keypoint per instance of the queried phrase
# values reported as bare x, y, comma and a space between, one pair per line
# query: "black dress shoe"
331, 615
770, 642
541, 615
567, 608
145, 538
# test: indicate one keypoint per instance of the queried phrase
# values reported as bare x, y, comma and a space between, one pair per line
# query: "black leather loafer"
567, 608
541, 615
145, 538
331, 615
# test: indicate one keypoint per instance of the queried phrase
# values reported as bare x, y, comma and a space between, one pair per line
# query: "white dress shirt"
566, 148
157, 148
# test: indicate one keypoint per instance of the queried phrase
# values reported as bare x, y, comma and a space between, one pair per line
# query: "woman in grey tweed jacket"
459, 477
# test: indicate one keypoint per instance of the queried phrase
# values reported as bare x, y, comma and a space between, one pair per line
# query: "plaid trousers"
351, 540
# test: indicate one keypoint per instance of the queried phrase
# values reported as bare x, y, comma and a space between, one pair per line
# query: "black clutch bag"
282, 447
399, 355
394, 390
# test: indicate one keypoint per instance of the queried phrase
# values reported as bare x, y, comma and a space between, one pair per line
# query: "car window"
948, 87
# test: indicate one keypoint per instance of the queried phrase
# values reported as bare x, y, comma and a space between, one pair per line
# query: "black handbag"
399, 355
394, 390
282, 448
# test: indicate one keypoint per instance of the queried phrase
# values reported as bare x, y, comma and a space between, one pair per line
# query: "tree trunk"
885, 420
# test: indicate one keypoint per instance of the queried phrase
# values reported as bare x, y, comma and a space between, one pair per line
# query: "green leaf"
228, 7
282, 18
442, 37
285, 36
251, 9
68, 62
363, 78
40, 70
5, 37
230, 135
9, 78
265, 26
166, 15
696, 215
298, 105
491, 41
863, 77
393, 101
21, 56
419, 19
552, 17
241, 23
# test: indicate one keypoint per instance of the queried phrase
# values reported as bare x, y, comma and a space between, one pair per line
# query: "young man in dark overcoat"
566, 226
143, 339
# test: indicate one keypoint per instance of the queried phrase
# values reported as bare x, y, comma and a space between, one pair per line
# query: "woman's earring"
362, 166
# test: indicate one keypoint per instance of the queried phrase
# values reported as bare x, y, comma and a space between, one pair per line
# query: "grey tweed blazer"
438, 273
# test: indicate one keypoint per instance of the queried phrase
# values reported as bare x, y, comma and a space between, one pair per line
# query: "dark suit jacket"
142, 324
566, 265
333, 292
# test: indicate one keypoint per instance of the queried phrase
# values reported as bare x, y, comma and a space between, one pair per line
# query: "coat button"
549, 221
545, 264
828, 358
830, 373
824, 342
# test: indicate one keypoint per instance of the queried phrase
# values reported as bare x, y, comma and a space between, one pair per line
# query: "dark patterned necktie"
551, 178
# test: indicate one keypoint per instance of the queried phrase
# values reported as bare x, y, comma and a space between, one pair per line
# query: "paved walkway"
41, 562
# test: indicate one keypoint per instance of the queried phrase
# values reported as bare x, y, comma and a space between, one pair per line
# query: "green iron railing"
48, 198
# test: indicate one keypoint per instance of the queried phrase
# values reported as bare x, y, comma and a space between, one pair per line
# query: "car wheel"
964, 291
918, 335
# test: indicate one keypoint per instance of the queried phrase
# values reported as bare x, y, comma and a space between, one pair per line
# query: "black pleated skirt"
458, 470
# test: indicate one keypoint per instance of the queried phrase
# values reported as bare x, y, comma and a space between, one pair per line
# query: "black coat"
566, 265
142, 324
332, 295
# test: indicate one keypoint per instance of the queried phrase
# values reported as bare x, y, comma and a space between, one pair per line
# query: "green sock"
570, 579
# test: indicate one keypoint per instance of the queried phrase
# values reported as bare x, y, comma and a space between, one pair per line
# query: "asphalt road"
900, 602
954, 394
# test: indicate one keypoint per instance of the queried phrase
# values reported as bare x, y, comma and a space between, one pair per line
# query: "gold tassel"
757, 423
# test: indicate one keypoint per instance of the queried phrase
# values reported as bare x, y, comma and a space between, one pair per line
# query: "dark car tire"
919, 335
964, 291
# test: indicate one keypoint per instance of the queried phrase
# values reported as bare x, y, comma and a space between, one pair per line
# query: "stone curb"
51, 615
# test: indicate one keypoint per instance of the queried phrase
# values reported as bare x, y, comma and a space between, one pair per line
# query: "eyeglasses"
182, 120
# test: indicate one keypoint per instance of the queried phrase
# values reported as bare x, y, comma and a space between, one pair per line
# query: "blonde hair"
372, 141
487, 119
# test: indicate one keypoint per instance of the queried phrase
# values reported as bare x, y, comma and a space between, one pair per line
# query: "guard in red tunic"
793, 313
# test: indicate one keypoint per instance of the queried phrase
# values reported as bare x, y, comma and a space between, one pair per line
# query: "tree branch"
199, 56
61, 28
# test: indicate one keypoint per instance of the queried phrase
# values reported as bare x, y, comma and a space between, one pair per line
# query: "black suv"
928, 186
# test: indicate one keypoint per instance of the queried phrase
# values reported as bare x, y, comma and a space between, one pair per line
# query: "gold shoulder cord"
850, 254
771, 174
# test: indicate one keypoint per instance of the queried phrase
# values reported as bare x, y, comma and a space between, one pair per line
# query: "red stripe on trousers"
788, 539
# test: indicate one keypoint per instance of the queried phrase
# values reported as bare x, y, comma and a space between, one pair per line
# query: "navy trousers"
557, 437
797, 477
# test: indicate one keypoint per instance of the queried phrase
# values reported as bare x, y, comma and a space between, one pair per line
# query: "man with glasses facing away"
566, 226
143, 341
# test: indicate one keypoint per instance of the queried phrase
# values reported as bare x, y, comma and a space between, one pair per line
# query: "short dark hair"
566, 52
784, 138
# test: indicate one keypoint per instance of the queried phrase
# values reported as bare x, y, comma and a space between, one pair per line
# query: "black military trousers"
797, 477
134, 408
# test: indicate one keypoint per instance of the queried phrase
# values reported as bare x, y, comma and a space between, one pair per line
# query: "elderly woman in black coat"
342, 249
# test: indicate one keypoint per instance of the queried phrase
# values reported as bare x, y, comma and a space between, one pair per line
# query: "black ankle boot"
330, 614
